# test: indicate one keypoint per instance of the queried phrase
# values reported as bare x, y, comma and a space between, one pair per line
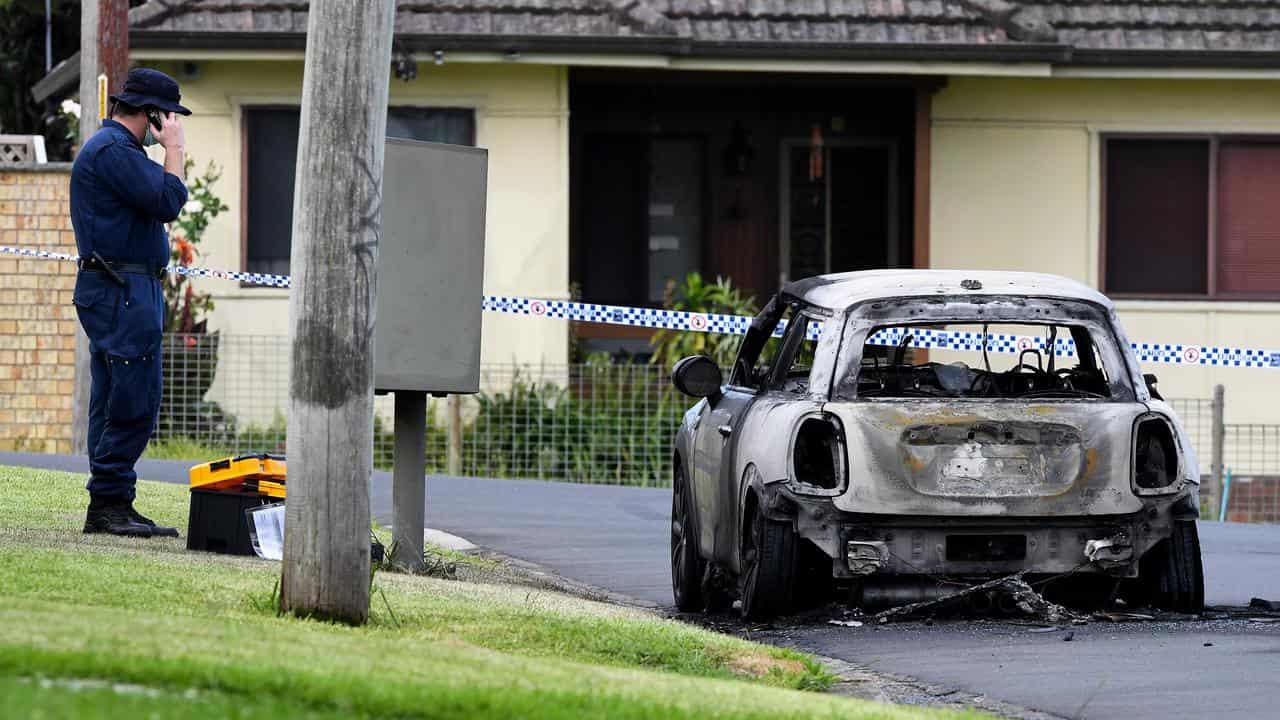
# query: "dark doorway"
675, 172
614, 213
643, 206
839, 204
676, 180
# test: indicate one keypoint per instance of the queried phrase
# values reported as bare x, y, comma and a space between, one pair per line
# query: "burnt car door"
715, 436
777, 436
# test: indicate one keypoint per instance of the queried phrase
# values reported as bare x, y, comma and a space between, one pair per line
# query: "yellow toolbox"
263, 472
221, 493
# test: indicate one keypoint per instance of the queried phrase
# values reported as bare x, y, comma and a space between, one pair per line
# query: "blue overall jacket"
120, 199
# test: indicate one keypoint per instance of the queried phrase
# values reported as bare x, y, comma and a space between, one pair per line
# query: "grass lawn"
182, 449
95, 626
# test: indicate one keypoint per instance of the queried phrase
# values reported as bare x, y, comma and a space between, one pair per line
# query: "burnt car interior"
1157, 455
1036, 372
818, 455
779, 362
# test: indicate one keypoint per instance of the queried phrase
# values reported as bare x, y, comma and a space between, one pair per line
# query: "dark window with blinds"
271, 154
1248, 239
1192, 217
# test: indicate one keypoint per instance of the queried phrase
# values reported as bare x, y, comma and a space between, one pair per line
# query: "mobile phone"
154, 118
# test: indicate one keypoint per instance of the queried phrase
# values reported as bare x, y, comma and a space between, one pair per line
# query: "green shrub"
270, 438
609, 424
613, 424
697, 295
384, 443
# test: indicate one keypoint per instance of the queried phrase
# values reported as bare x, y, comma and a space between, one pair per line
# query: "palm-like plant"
697, 295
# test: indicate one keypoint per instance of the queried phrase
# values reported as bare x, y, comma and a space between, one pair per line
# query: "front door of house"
839, 207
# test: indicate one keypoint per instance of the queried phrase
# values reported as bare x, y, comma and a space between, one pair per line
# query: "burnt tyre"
769, 559
687, 566
1171, 576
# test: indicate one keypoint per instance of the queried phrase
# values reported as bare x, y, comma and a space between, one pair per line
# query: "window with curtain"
1192, 217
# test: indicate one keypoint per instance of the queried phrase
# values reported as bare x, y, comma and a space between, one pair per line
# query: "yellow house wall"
1016, 186
521, 115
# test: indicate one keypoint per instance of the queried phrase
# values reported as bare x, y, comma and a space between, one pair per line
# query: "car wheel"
687, 566
1174, 573
769, 566
719, 589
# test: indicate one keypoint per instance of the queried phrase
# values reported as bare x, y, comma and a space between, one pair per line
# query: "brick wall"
37, 319
1253, 498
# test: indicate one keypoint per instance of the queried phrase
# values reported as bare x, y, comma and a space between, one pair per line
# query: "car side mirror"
697, 376
1152, 381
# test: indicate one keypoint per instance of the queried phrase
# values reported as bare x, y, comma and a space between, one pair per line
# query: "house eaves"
601, 45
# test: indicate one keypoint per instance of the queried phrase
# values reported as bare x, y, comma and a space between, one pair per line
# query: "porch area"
756, 177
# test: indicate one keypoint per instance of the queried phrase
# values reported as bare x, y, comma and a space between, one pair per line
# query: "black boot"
111, 516
156, 530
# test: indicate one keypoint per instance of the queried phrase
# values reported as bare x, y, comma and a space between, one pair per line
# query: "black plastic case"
217, 522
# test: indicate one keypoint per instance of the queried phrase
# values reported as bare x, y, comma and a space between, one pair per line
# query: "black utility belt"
114, 268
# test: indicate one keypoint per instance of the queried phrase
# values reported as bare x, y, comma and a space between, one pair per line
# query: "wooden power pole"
104, 50
337, 221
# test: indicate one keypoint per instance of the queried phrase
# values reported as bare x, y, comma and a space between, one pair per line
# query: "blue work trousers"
124, 325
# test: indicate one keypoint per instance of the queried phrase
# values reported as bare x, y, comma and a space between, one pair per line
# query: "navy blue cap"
145, 88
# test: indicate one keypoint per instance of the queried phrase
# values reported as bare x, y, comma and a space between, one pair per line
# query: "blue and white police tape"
925, 339
267, 279
1168, 353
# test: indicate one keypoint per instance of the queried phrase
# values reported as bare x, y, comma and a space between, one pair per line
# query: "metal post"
1219, 441
455, 435
104, 50
408, 479
48, 36
89, 68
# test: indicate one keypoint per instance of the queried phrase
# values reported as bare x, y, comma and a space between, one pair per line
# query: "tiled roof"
1224, 25
763, 27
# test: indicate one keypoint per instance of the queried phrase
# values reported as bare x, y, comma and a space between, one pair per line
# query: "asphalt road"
615, 538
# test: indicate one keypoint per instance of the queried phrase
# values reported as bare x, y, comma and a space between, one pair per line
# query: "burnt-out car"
899, 435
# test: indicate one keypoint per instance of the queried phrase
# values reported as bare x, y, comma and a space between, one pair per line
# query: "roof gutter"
677, 47
1177, 58
604, 45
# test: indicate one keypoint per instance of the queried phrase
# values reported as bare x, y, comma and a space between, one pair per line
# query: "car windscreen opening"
998, 360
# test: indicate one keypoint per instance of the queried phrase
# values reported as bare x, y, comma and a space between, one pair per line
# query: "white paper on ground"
266, 530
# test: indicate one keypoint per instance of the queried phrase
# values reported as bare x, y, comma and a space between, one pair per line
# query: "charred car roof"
844, 290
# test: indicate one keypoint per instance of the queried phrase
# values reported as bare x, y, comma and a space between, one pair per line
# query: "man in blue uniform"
120, 199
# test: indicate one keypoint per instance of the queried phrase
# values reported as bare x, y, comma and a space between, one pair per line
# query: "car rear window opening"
976, 360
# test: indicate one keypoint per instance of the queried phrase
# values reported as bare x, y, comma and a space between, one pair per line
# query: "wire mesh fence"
585, 423
1252, 449
595, 423
1252, 483
225, 392
1196, 415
